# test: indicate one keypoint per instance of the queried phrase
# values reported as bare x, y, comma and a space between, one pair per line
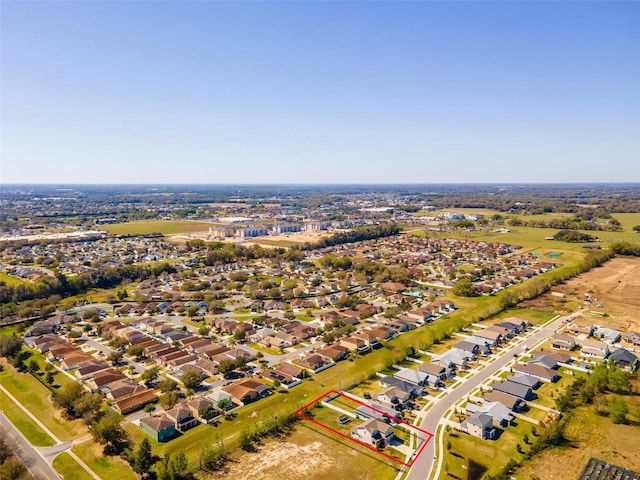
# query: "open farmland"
145, 227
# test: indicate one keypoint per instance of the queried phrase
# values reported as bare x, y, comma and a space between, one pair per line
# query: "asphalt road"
421, 469
25, 452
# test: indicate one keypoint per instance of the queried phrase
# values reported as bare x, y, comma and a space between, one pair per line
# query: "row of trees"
59, 284
358, 234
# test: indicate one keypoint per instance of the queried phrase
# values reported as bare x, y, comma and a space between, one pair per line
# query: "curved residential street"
427, 461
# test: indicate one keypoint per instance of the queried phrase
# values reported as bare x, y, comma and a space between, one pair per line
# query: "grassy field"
469, 457
590, 435
107, 468
68, 468
23, 422
35, 397
11, 281
144, 227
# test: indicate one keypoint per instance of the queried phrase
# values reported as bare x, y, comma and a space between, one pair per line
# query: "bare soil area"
615, 291
282, 460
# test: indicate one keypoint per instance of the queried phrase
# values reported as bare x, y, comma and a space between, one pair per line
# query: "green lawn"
24, 423
489, 454
144, 227
35, 397
11, 281
68, 468
107, 468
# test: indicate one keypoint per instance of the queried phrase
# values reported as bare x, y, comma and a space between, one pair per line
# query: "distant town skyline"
319, 92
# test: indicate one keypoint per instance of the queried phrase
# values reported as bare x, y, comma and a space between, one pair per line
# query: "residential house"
563, 341
435, 369
373, 432
410, 388
160, 428
510, 401
624, 360
334, 351
246, 391
632, 337
355, 344
492, 336
135, 402
594, 349
501, 416
530, 381
607, 335
453, 359
480, 425
395, 398
516, 389
314, 362
221, 399
473, 349
183, 417
536, 370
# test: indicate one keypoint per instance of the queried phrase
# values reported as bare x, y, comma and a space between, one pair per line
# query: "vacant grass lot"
23, 422
35, 397
11, 281
145, 227
68, 468
107, 468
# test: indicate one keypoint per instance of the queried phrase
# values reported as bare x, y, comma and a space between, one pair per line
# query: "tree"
108, 432
618, 382
5, 451
87, 406
169, 399
167, 385
465, 288
150, 376
121, 293
191, 379
10, 346
114, 357
136, 351
12, 469
66, 398
142, 460
636, 229
618, 410
48, 378
239, 334
33, 366
204, 330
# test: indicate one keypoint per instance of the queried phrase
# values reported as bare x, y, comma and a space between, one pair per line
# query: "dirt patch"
282, 460
614, 289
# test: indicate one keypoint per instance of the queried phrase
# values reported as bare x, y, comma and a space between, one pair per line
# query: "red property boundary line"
395, 419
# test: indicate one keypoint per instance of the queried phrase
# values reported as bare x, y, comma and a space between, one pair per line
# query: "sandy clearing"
615, 286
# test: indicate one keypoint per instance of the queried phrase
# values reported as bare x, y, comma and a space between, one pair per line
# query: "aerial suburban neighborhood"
406, 338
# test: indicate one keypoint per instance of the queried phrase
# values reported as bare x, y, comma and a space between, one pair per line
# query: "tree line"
358, 234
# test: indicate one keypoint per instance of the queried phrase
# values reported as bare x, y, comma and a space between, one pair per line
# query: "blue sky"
319, 92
